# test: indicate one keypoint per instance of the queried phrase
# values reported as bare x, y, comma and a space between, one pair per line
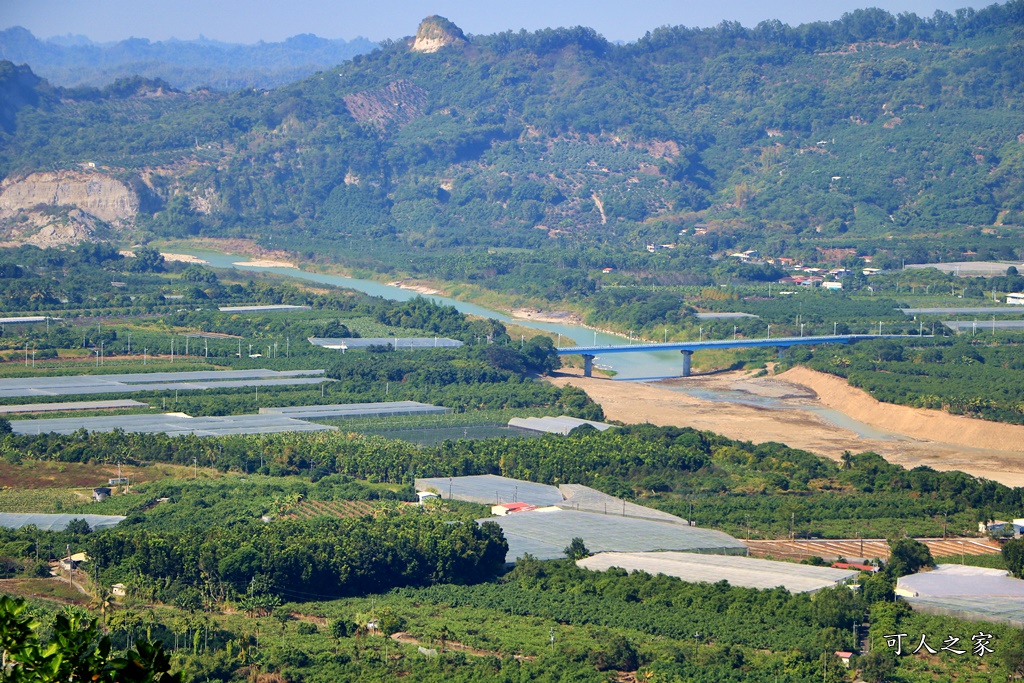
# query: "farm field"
336, 509
44, 474
856, 550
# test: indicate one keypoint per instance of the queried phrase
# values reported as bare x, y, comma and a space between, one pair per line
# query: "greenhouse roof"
546, 532
563, 424
172, 424
395, 342
344, 410
16, 520
154, 381
745, 572
490, 489
976, 593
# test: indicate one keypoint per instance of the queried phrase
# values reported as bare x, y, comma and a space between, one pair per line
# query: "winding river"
627, 366
631, 366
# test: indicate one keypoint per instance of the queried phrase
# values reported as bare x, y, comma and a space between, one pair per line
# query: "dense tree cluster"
296, 559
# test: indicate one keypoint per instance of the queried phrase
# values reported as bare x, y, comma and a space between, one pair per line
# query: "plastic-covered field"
586, 499
545, 534
154, 381
395, 342
966, 592
490, 489
353, 410
266, 307
1005, 610
16, 520
170, 424
745, 572
71, 405
562, 424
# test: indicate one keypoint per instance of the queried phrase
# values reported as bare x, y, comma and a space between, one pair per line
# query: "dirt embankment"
989, 450
637, 402
918, 423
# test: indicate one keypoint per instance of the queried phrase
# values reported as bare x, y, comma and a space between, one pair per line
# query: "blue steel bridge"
688, 348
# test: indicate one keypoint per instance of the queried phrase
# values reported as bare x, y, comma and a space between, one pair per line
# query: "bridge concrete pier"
687, 355
588, 365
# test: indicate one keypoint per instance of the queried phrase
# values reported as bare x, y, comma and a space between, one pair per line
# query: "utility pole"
195, 468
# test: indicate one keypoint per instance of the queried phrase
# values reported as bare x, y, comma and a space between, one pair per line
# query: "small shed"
508, 508
996, 527
844, 657
100, 493
424, 496
119, 590
72, 561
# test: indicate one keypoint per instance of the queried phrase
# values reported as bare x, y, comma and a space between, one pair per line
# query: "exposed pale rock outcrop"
96, 194
54, 208
435, 33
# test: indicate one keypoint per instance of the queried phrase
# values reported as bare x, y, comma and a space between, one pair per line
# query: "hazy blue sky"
272, 20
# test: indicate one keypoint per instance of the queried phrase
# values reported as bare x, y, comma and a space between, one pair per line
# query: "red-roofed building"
509, 508
844, 657
853, 565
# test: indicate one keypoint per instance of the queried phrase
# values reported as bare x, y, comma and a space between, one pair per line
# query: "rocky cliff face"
63, 207
435, 33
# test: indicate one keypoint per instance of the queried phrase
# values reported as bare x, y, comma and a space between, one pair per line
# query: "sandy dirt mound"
919, 423
796, 426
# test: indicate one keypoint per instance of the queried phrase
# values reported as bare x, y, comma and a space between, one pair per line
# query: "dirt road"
995, 454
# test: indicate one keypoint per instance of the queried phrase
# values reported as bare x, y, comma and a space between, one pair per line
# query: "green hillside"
859, 131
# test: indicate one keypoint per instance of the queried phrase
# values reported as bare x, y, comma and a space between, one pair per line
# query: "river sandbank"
264, 263
796, 426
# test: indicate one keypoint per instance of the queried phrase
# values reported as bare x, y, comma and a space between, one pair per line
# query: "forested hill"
869, 126
185, 64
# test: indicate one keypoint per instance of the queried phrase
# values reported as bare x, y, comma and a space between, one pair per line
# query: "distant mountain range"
873, 131
72, 61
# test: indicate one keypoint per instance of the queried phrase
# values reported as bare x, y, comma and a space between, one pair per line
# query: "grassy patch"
44, 589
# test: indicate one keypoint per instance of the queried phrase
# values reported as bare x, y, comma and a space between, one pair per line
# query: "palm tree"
847, 459
104, 602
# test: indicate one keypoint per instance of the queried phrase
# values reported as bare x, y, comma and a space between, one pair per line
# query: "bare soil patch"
634, 402
919, 423
41, 474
